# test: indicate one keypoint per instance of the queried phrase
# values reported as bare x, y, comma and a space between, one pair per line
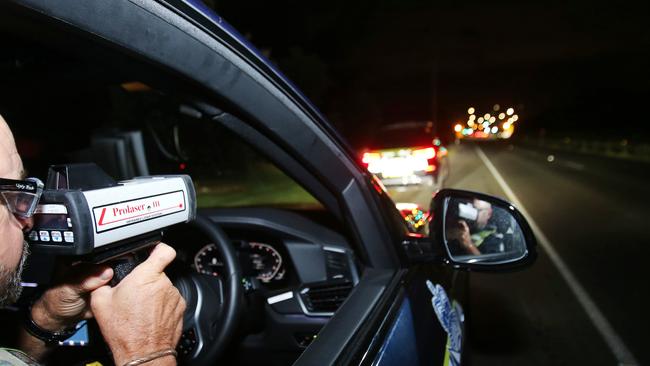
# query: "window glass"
226, 171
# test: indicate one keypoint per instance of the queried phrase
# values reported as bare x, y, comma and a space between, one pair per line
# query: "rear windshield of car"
402, 137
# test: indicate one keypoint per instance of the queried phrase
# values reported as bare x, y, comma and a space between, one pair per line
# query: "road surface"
587, 302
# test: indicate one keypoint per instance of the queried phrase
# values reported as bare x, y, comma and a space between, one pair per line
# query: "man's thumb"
95, 281
100, 297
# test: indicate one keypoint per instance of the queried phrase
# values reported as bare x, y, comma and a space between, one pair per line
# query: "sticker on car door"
451, 318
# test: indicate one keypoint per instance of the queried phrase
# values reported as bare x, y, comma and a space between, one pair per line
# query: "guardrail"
620, 149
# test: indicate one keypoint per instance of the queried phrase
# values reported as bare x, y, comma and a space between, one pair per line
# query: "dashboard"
277, 250
296, 274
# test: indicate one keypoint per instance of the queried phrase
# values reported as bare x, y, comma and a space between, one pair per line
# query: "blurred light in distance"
495, 129
515, 118
486, 124
502, 115
480, 120
492, 119
510, 111
458, 127
507, 125
486, 116
135, 86
496, 107
472, 117
470, 110
470, 123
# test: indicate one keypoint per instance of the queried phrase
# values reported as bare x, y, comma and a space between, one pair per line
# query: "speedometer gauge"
265, 261
207, 261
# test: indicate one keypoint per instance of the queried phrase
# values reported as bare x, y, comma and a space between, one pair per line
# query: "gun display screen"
51, 221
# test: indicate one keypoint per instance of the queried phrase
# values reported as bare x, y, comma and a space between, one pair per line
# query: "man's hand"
144, 312
465, 239
64, 304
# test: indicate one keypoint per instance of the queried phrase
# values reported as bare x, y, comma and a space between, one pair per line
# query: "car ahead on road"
407, 153
298, 256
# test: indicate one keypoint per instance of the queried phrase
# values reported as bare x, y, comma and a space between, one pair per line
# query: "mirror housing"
478, 232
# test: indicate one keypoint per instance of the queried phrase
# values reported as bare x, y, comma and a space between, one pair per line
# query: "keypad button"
56, 236
44, 235
33, 236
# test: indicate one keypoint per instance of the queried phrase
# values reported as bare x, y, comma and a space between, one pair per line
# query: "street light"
515, 118
502, 115
492, 119
470, 110
458, 127
510, 111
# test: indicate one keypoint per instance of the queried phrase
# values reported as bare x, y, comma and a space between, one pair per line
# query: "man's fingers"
83, 278
161, 256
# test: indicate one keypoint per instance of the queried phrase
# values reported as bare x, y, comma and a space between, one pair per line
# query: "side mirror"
480, 232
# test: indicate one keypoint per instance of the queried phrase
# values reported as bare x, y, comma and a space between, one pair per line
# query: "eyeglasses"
21, 196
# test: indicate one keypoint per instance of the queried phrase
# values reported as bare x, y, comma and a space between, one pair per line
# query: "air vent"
337, 265
325, 298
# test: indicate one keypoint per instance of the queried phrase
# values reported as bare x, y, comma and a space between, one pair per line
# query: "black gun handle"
122, 267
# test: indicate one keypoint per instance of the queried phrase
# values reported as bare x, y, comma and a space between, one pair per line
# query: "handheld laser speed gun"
84, 213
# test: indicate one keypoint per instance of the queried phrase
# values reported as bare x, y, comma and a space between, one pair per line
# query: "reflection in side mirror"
480, 231
475, 231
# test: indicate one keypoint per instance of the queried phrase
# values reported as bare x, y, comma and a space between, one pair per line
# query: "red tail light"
426, 153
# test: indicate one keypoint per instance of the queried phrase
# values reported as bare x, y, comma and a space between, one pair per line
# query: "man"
140, 318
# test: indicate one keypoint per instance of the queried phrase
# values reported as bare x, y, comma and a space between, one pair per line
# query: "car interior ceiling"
59, 96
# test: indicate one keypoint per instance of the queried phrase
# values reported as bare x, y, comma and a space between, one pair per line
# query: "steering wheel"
213, 303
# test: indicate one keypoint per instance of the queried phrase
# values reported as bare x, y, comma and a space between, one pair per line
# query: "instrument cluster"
257, 259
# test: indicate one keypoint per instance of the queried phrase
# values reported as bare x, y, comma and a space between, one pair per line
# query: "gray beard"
10, 288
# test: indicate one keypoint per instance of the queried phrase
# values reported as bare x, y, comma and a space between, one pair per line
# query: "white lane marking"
282, 297
613, 340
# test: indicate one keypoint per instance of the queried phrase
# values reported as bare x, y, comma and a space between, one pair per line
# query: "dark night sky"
568, 67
